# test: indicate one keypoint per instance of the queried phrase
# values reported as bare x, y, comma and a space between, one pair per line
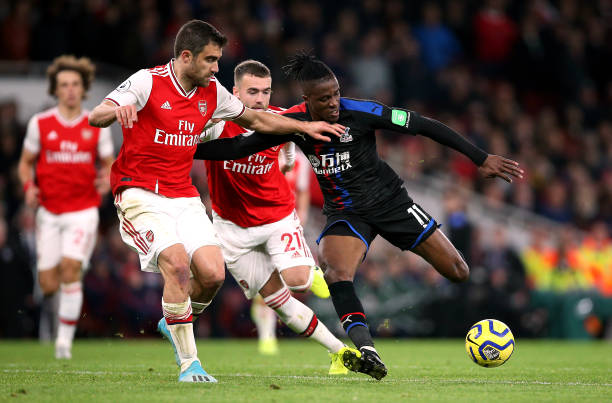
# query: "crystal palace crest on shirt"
202, 107
346, 137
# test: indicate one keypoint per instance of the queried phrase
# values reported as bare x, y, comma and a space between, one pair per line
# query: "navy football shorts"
400, 221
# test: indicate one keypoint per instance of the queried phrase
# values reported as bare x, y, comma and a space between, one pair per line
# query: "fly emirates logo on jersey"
68, 154
330, 163
256, 165
179, 139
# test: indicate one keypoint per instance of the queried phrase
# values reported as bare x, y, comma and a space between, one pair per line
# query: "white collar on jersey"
68, 122
177, 84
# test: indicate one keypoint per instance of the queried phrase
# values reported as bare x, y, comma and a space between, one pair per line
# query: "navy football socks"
350, 311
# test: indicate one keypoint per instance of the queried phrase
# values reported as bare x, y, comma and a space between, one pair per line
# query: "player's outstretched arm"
444, 135
490, 165
107, 112
239, 146
272, 123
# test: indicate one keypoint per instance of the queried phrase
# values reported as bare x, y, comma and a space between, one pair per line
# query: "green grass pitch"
419, 370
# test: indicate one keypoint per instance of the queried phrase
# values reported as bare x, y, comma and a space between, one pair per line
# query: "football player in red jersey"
163, 111
261, 235
61, 148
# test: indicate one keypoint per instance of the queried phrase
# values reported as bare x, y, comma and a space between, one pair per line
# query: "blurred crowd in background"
529, 80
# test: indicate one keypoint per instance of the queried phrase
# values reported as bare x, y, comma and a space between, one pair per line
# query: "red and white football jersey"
157, 153
250, 191
66, 166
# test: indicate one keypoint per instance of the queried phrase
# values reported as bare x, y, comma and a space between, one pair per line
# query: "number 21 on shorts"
295, 241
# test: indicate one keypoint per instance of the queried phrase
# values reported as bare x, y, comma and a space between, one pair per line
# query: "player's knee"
340, 267
334, 274
48, 284
70, 271
297, 280
460, 270
211, 275
178, 270
49, 288
214, 280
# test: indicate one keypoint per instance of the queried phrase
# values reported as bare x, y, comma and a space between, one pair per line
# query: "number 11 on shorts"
419, 215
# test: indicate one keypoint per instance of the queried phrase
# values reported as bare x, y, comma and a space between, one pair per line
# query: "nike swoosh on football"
471, 341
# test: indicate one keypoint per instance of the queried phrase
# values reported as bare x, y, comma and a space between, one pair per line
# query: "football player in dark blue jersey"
364, 197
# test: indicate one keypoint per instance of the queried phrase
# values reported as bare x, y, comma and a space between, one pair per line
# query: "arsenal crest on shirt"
202, 107
86, 134
150, 236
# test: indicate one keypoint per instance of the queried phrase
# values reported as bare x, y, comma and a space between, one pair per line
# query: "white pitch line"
323, 378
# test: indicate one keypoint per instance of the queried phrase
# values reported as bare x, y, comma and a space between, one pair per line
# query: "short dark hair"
304, 66
82, 65
196, 34
253, 67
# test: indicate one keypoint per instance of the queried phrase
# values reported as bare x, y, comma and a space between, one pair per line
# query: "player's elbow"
214, 279
26, 165
264, 122
95, 121
100, 116
257, 125
22, 169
